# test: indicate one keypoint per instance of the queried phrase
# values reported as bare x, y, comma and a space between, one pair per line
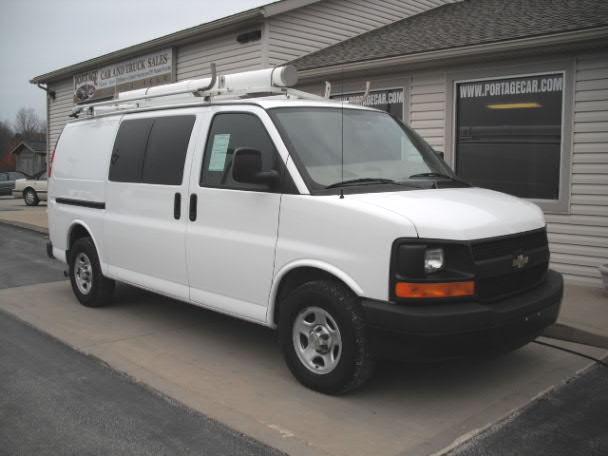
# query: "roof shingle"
465, 23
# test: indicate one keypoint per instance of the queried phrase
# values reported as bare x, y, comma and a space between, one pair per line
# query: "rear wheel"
323, 337
88, 283
31, 197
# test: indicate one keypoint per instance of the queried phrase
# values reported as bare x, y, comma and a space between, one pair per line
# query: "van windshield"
377, 148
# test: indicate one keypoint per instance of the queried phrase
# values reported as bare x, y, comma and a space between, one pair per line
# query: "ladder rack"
261, 83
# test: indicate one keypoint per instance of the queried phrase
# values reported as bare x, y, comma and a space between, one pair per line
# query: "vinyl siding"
193, 60
59, 109
313, 27
427, 107
579, 241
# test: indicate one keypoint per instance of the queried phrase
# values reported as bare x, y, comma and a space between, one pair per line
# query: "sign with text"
389, 100
148, 70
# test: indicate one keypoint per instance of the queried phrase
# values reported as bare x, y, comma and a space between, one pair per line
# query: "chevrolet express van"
336, 224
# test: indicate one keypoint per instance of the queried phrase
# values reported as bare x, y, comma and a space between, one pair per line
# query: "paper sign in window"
219, 150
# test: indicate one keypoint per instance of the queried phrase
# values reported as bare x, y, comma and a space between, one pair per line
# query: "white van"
335, 224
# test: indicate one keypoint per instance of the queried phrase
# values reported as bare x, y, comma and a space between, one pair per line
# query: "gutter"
442, 55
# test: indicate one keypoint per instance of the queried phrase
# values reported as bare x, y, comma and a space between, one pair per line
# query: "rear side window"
152, 151
129, 149
166, 151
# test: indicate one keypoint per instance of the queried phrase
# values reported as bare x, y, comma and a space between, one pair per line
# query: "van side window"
151, 151
228, 132
166, 150
129, 148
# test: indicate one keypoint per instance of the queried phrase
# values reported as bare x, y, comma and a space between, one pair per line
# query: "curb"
562, 331
26, 226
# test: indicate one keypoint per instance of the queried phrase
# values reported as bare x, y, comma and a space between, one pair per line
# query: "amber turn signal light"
434, 290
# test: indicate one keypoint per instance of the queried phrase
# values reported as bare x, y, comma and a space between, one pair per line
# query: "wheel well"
29, 188
77, 232
296, 277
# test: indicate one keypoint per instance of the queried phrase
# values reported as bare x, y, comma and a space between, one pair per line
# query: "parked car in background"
7, 181
32, 190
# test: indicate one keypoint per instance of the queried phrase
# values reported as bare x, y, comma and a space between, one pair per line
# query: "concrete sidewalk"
14, 211
583, 318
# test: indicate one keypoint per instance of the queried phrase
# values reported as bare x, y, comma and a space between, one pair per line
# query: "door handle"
177, 206
193, 207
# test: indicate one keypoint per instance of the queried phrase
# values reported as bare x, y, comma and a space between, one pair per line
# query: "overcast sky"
37, 36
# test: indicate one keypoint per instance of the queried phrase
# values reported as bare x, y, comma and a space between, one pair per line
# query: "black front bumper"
448, 330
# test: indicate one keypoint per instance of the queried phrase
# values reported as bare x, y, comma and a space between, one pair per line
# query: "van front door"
233, 226
145, 223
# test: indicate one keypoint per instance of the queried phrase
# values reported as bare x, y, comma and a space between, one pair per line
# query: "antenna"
342, 125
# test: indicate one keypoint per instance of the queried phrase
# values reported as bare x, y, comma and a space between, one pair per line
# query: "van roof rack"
257, 83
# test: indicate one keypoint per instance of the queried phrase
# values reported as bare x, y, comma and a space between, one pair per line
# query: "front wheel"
31, 197
323, 337
88, 283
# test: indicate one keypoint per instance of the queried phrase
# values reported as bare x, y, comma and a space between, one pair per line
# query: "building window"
509, 134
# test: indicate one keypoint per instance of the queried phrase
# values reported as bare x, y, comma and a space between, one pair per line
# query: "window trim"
563, 67
287, 185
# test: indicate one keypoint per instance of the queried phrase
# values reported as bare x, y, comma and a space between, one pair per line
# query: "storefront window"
508, 134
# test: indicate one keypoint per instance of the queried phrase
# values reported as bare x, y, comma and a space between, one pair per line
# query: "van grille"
497, 276
491, 288
485, 250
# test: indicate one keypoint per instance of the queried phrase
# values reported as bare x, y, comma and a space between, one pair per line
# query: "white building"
515, 93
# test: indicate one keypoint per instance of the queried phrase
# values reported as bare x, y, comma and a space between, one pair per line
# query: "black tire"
99, 292
31, 197
355, 364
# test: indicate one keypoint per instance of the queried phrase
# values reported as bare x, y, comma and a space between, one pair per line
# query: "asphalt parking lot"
55, 400
232, 372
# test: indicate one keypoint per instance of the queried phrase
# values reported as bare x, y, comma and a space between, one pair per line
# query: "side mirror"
440, 154
247, 168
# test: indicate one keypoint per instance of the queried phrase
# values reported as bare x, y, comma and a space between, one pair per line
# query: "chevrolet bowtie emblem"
520, 261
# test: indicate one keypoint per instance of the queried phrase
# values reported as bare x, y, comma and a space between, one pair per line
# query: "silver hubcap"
83, 273
317, 340
29, 197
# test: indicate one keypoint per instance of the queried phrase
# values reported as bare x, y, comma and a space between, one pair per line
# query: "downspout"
50, 93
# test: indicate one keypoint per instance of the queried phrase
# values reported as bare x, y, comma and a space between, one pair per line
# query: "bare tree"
28, 124
6, 135
7, 140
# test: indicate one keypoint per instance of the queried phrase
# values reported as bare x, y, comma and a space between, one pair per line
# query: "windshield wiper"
370, 181
362, 180
440, 175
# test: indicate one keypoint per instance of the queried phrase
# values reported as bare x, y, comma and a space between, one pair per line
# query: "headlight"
433, 260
